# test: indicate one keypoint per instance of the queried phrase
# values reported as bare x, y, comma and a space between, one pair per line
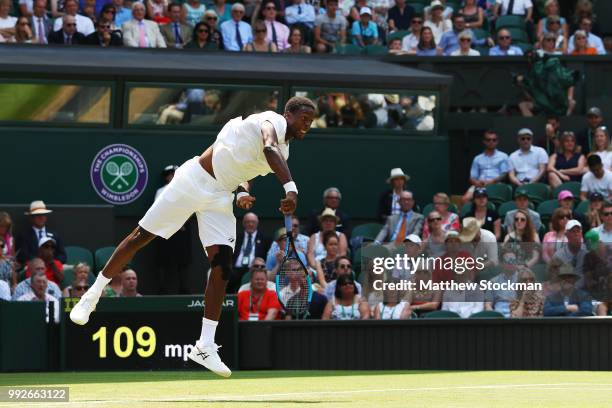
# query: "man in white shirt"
300, 13
605, 229
528, 163
39, 293
586, 24
84, 25
597, 179
519, 8
410, 42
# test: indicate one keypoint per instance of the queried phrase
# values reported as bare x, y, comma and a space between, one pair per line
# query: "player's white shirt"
238, 151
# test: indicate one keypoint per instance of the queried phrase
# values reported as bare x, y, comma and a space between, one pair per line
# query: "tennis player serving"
205, 185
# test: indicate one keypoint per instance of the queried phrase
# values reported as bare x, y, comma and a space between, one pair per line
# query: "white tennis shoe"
208, 357
80, 313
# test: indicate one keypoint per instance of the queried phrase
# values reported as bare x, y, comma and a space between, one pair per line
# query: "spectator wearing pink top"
555, 238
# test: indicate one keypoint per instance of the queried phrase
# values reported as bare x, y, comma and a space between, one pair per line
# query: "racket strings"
294, 287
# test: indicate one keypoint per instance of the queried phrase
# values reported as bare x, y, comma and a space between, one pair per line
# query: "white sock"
100, 284
207, 337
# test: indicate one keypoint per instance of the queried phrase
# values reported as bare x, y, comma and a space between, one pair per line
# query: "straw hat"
397, 172
38, 207
328, 212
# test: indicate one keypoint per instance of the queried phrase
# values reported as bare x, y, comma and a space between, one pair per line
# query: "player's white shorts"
193, 190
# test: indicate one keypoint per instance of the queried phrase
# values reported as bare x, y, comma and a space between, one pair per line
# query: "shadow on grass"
88, 377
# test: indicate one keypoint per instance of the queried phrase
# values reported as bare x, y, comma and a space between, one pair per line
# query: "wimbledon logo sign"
119, 174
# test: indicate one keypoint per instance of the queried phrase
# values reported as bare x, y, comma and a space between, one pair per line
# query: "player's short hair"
298, 103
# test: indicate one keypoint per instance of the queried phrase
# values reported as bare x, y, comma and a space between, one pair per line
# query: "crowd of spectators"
467, 28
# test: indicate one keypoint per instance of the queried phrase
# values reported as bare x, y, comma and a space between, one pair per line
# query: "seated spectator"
365, 31
463, 302
235, 32
175, 33
489, 167
103, 36
81, 273
301, 14
108, 12
156, 11
35, 266
77, 289
520, 8
411, 41
501, 299
278, 33
193, 11
437, 22
601, 146
300, 241
40, 23
129, 284
142, 33
465, 46
473, 14
594, 119
581, 45
399, 226
422, 300
7, 22
296, 43
567, 164
504, 45
481, 243
342, 267
597, 179
521, 199
528, 303
523, 239
569, 300
316, 250
332, 197
449, 42
574, 251
548, 45
555, 238
326, 266
7, 269
6, 233
39, 293
23, 31
395, 46
393, 307
605, 229
260, 41
53, 268
222, 10
452, 250
67, 34
258, 264
5, 291
605, 307
566, 200
113, 289
487, 217
528, 163
552, 11
553, 284
593, 214
550, 141
450, 220
346, 303
272, 272
427, 44
258, 302
597, 266
586, 24
388, 203
399, 16
330, 28
446, 14
201, 38
122, 14
84, 25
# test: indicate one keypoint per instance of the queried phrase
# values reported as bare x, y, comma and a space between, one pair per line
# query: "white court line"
310, 395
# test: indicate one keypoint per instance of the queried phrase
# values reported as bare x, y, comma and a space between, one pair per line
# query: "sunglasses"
554, 22
105, 26
524, 138
549, 40
349, 284
211, 18
261, 30
344, 266
417, 21
2, 245
607, 214
203, 31
520, 219
258, 266
81, 287
465, 40
504, 37
71, 25
528, 280
270, 8
435, 219
490, 140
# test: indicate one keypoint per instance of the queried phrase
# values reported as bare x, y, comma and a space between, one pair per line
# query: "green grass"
326, 389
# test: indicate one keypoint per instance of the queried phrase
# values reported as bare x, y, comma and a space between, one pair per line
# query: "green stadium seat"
487, 314
419, 8
467, 207
441, 314
397, 34
246, 278
546, 208
357, 261
499, 193
518, 35
430, 207
582, 207
76, 254
483, 50
537, 192
348, 49
509, 21
479, 33
573, 186
456, 6
102, 255
367, 231
375, 50
525, 47
505, 207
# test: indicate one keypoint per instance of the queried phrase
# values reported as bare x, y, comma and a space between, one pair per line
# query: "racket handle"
288, 224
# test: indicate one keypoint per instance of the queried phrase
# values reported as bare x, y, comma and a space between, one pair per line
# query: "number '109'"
145, 337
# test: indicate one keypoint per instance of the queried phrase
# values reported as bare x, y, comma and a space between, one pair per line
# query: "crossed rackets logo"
119, 174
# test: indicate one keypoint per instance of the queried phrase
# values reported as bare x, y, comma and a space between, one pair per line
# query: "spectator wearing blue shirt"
300, 13
489, 167
427, 43
365, 31
235, 32
122, 14
568, 301
504, 45
449, 42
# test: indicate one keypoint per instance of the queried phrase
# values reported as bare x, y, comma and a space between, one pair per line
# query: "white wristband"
241, 194
290, 186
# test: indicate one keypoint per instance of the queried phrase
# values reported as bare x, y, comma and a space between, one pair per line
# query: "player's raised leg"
120, 257
205, 349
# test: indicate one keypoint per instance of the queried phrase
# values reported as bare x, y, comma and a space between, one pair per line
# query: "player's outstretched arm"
279, 166
244, 199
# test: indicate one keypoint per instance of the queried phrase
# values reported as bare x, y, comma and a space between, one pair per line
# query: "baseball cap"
594, 111
521, 193
44, 240
480, 192
596, 196
572, 224
365, 10
413, 238
525, 131
565, 194
451, 234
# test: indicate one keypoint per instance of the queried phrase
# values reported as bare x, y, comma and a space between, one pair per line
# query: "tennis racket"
293, 284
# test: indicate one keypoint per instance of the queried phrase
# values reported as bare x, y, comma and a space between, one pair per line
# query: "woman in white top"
392, 308
316, 250
465, 46
438, 23
601, 147
346, 303
7, 23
